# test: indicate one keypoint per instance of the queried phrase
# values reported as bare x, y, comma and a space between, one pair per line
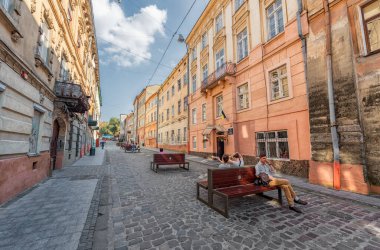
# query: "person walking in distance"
264, 167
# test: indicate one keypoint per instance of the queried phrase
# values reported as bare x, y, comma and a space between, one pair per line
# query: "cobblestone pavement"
122, 204
160, 211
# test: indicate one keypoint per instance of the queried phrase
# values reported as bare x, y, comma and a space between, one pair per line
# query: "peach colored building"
247, 83
151, 121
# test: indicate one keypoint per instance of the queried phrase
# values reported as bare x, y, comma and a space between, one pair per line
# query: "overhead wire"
171, 40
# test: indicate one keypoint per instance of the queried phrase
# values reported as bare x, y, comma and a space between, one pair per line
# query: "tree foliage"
110, 128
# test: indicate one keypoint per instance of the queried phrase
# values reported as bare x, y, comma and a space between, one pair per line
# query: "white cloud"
128, 38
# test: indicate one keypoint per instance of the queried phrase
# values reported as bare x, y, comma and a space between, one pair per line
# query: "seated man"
264, 167
224, 162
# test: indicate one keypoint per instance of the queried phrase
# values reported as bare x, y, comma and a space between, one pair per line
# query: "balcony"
72, 96
220, 75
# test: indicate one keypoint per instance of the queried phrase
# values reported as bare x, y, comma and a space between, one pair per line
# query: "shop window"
274, 144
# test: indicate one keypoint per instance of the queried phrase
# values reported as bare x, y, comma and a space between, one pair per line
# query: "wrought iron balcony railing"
227, 69
73, 96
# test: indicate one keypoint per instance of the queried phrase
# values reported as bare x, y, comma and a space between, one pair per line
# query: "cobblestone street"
122, 204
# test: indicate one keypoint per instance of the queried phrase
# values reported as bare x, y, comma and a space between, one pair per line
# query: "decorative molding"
2, 87
33, 6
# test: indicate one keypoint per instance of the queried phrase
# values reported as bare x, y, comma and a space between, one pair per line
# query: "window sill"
280, 100
31, 155
243, 110
242, 60
271, 39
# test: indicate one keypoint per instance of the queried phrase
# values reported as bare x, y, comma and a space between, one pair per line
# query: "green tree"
104, 129
114, 126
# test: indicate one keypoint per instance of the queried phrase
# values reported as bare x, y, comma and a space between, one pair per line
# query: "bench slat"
243, 190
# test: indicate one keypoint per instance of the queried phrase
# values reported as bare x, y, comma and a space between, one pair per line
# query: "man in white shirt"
264, 167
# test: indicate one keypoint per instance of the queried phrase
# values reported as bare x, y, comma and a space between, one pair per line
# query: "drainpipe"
157, 116
304, 48
188, 98
330, 88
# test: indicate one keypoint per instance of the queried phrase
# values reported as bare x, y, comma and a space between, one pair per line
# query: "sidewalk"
96, 160
297, 182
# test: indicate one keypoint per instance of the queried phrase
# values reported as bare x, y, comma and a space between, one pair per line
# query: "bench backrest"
219, 178
168, 158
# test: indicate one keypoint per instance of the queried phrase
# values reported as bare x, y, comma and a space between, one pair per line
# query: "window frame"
239, 108
204, 40
194, 142
238, 4
217, 28
194, 116
204, 108
281, 89
277, 140
218, 105
274, 13
243, 41
221, 59
194, 83
365, 29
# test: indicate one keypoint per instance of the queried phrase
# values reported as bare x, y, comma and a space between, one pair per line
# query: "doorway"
219, 147
54, 144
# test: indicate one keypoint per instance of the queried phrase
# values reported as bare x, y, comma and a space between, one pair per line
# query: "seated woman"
224, 162
237, 160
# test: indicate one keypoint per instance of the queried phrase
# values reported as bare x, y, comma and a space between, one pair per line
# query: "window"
185, 104
185, 79
205, 72
172, 136
34, 136
219, 106
167, 95
69, 12
371, 21
238, 3
167, 114
219, 22
279, 83
242, 45
194, 116
194, 142
274, 144
162, 117
179, 135
243, 97
203, 112
64, 72
179, 106
275, 20
194, 54
194, 84
172, 110
179, 84
7, 5
204, 143
219, 59
204, 40
43, 43
167, 136
184, 134
173, 90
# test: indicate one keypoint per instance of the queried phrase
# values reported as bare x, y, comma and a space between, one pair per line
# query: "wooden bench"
231, 183
168, 159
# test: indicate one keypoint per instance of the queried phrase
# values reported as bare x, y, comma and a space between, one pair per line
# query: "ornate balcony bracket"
73, 96
224, 73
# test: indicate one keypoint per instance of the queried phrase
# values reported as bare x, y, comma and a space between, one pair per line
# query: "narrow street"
122, 204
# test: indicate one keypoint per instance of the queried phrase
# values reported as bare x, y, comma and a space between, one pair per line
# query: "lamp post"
181, 39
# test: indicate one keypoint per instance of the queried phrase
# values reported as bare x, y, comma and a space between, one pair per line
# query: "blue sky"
132, 37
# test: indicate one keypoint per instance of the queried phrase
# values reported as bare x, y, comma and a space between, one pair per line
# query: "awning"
207, 130
220, 129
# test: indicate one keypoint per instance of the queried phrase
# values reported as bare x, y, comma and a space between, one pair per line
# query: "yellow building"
173, 113
151, 121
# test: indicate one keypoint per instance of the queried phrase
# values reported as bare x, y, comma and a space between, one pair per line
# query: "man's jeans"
286, 187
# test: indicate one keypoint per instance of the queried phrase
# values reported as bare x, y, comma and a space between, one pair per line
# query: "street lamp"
182, 39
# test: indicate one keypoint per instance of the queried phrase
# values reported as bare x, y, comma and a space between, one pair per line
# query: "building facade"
140, 112
172, 110
151, 121
49, 89
248, 88
128, 127
346, 36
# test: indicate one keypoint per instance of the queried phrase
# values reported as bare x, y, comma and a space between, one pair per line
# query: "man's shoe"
299, 201
295, 209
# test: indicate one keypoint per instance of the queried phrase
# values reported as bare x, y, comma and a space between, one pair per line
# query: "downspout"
304, 48
158, 120
188, 99
330, 89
